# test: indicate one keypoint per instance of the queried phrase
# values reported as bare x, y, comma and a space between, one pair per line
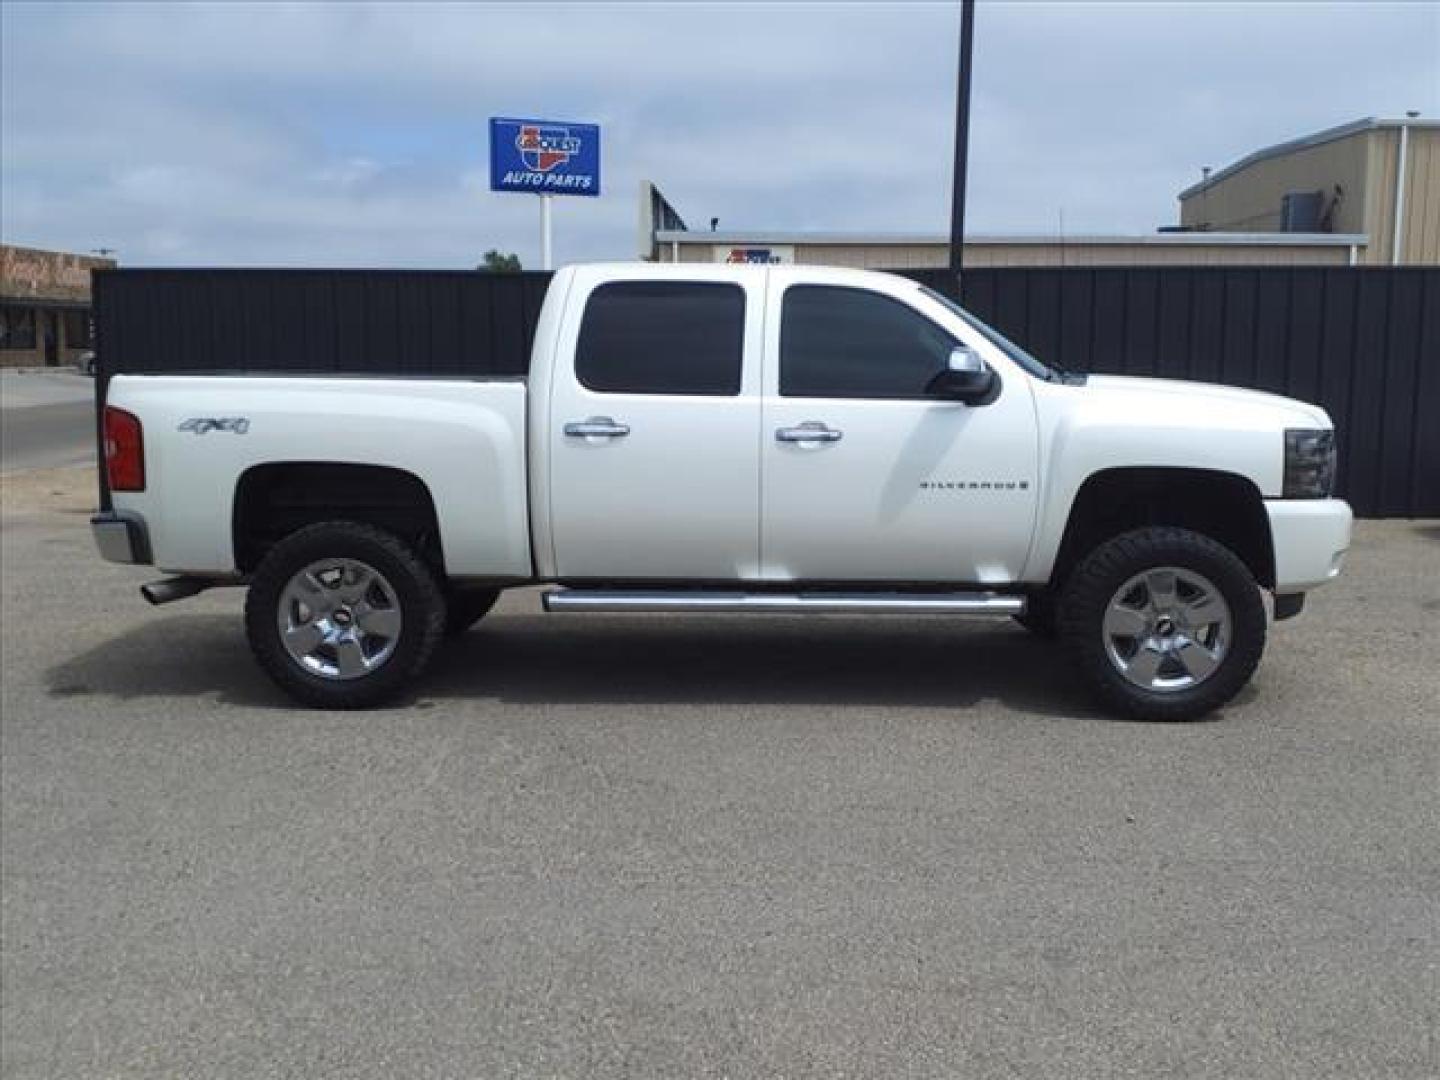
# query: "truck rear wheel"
343, 615
1163, 623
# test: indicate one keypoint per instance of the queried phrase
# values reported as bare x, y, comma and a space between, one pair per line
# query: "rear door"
654, 429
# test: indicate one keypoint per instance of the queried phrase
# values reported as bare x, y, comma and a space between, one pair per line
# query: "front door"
654, 431
894, 486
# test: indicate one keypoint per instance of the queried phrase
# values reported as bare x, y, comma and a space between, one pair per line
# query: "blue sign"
544, 157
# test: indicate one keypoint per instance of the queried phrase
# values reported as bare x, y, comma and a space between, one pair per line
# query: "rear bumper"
1311, 537
121, 537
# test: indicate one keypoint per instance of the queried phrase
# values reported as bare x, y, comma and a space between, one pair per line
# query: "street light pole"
962, 136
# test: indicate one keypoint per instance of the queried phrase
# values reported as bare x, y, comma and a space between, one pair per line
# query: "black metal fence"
370, 322
1362, 342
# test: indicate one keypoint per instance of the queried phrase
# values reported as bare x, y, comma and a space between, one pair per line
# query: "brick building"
44, 306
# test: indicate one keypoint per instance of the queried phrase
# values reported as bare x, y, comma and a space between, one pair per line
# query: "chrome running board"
813, 603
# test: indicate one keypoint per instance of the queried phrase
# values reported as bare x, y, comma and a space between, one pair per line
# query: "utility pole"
962, 136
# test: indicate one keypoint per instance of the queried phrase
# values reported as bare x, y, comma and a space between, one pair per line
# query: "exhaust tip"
168, 590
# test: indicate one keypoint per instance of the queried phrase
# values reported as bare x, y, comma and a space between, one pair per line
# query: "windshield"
999, 340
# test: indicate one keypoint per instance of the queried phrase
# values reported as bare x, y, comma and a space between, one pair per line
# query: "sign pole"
545, 260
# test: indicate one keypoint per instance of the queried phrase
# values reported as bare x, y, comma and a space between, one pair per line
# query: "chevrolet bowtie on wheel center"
702, 439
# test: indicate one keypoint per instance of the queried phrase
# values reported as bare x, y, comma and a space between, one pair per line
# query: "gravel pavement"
598, 846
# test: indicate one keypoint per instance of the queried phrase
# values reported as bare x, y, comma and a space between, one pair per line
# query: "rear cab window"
663, 337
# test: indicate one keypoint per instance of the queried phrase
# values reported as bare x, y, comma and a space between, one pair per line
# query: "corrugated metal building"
892, 251
1328, 199
1343, 179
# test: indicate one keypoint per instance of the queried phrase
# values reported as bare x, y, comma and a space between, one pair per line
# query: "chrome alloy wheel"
339, 618
1167, 629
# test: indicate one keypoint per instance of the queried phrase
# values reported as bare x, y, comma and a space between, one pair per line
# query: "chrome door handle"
601, 426
809, 431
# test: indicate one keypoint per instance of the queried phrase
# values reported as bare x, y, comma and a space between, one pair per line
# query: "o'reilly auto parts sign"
544, 157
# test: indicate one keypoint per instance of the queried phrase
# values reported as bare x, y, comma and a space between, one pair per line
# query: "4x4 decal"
201, 424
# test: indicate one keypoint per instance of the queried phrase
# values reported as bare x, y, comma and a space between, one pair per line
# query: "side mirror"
966, 379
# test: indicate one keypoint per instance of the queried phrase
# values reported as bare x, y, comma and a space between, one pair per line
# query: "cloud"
355, 134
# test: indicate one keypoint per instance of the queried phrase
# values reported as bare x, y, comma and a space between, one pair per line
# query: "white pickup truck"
734, 439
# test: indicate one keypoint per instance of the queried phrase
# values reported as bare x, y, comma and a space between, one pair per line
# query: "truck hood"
1288, 411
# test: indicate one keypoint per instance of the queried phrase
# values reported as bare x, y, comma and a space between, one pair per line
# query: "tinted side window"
662, 337
839, 342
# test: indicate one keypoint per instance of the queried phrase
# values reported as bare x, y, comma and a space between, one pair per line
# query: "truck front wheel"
343, 615
1163, 623
1040, 615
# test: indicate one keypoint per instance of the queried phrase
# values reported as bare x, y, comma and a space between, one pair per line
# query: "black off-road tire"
465, 607
1099, 575
1041, 616
421, 603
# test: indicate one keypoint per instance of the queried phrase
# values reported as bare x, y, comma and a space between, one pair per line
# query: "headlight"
1309, 464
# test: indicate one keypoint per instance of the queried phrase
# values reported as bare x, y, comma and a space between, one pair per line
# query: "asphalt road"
626, 846
46, 419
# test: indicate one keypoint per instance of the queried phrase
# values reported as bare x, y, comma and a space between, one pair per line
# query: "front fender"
1088, 430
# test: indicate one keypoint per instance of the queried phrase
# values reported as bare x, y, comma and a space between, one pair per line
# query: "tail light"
124, 450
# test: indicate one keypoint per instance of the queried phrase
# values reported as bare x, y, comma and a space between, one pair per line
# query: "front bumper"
121, 537
1310, 537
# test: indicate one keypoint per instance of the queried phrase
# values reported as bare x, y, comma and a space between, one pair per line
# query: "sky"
335, 134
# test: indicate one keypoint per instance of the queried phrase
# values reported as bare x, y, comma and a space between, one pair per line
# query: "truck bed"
463, 439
